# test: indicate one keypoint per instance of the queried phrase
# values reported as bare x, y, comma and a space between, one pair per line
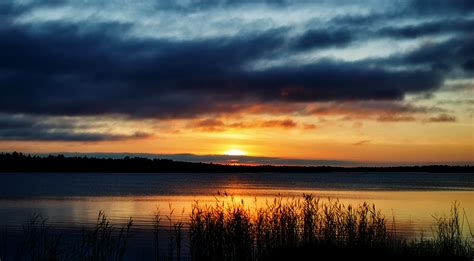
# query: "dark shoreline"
18, 162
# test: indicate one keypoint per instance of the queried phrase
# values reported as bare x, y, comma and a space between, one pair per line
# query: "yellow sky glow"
235, 152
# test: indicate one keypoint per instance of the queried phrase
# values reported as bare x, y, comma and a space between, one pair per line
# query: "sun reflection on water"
413, 210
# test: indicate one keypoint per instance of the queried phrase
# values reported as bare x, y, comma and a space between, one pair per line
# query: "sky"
280, 82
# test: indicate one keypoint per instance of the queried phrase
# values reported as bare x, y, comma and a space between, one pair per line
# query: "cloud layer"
147, 61
26, 128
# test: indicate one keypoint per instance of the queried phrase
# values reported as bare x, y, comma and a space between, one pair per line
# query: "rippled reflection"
412, 210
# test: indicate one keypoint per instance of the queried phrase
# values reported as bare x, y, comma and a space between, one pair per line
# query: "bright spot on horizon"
234, 152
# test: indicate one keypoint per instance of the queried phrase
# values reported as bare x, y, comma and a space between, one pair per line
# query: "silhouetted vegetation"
101, 243
156, 233
18, 162
39, 241
309, 229
292, 229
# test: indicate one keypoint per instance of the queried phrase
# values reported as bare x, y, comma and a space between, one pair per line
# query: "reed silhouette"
102, 242
284, 229
309, 229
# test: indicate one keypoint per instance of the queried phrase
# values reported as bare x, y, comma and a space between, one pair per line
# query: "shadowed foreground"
309, 229
296, 229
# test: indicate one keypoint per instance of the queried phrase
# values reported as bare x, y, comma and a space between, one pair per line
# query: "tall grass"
156, 233
102, 243
221, 232
39, 241
303, 228
306, 228
175, 236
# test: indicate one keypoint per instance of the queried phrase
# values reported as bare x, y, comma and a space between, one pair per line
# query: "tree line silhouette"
19, 162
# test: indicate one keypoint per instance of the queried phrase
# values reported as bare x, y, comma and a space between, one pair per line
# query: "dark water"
28, 185
72, 201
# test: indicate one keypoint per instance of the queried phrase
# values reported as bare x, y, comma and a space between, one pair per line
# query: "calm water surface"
72, 201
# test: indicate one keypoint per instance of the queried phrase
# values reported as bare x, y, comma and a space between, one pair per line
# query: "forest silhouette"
19, 162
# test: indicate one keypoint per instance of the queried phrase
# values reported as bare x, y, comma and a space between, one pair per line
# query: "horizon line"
246, 159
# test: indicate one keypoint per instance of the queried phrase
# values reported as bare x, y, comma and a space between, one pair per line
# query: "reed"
156, 233
282, 229
39, 242
307, 228
104, 242
175, 236
449, 239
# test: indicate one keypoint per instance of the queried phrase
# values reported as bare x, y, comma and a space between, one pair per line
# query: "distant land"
19, 162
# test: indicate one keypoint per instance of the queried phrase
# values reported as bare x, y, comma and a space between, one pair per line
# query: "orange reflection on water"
413, 210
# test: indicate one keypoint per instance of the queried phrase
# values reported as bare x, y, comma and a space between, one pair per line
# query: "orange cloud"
307, 126
384, 111
362, 142
442, 118
214, 125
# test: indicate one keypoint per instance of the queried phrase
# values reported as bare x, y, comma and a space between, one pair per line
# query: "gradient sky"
369, 81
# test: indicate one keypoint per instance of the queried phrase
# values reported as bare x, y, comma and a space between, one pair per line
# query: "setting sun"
234, 152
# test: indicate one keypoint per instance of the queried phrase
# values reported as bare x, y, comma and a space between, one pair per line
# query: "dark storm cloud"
39, 129
74, 71
469, 65
199, 5
321, 38
429, 28
450, 53
97, 68
356, 20
442, 56
332, 81
442, 6
153, 5
42, 135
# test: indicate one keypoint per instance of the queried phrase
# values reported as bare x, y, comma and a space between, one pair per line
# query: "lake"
71, 201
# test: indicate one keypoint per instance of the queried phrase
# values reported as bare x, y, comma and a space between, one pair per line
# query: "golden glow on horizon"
235, 152
320, 137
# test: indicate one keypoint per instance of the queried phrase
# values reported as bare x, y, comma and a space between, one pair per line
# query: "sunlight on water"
72, 201
413, 210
